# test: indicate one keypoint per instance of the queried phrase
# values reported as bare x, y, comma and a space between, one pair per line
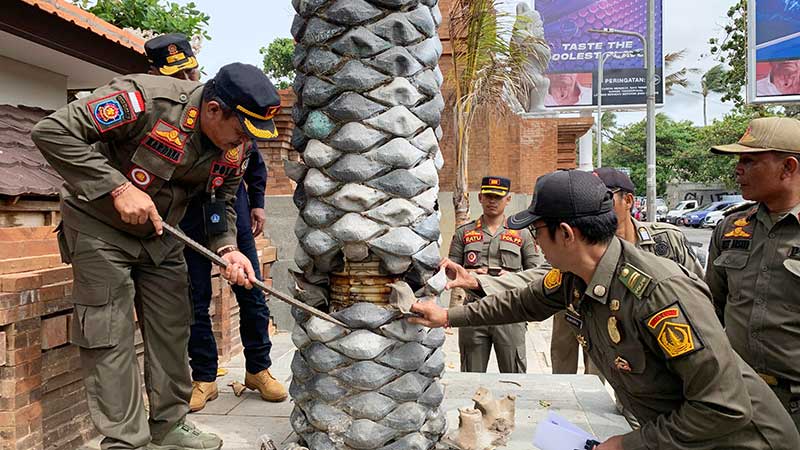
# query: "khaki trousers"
475, 345
108, 284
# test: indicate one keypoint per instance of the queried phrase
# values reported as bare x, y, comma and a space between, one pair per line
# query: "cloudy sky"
238, 33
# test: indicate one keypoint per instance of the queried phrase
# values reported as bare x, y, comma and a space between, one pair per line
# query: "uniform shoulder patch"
190, 117
552, 280
115, 110
674, 332
634, 279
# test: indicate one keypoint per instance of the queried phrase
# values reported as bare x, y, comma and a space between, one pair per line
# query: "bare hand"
257, 219
460, 277
136, 207
239, 270
613, 443
432, 315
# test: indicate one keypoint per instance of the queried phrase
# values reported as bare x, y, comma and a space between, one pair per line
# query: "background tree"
151, 15
711, 81
278, 61
679, 77
486, 67
731, 50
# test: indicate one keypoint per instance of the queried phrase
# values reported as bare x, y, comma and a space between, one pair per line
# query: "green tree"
626, 148
731, 50
278, 61
152, 15
711, 81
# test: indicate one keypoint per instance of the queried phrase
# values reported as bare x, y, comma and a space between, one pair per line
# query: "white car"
681, 209
713, 218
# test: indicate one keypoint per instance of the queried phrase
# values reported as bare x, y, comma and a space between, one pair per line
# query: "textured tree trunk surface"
367, 115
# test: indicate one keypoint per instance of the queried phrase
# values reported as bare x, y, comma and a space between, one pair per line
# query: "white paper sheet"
558, 433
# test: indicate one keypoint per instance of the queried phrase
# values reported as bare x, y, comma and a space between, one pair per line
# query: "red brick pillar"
21, 385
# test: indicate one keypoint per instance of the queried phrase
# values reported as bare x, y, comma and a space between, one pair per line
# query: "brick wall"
42, 398
277, 150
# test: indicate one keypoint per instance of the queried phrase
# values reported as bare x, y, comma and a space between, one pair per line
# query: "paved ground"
240, 421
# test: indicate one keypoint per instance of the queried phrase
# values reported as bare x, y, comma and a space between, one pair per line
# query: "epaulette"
740, 208
634, 279
663, 226
471, 222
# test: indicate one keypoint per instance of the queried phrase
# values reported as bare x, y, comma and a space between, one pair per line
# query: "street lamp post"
649, 51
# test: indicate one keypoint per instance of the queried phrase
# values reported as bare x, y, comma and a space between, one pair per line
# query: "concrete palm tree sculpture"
367, 114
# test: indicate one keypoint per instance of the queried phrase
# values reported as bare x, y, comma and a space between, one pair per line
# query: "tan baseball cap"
766, 134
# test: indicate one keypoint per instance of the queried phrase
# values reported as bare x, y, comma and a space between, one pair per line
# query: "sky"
239, 32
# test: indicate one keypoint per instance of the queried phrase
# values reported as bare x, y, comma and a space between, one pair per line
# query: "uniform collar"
479, 224
643, 235
604, 274
762, 215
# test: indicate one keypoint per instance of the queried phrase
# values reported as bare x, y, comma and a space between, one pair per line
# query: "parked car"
713, 218
683, 207
695, 218
661, 209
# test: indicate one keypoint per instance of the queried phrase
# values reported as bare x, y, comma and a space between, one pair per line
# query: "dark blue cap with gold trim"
495, 186
170, 53
246, 90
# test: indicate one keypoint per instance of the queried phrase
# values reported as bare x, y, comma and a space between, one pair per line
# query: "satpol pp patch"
674, 332
115, 110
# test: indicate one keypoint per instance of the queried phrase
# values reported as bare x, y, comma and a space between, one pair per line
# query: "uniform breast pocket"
511, 256
793, 267
150, 168
732, 262
630, 362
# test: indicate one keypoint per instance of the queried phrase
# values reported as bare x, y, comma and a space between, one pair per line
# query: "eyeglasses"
534, 231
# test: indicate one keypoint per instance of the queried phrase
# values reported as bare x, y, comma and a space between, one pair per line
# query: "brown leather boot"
271, 389
202, 392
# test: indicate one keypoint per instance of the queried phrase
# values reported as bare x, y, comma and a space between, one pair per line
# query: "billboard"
773, 51
576, 52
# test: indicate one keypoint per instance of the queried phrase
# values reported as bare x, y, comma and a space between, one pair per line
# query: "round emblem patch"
217, 182
472, 258
108, 112
553, 279
215, 218
662, 248
141, 177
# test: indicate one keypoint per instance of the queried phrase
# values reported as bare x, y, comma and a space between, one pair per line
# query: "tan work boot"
185, 436
202, 392
271, 389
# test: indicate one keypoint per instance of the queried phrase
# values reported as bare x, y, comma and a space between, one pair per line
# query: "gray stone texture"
398, 153
400, 183
360, 43
355, 76
352, 168
351, 12
367, 118
399, 241
319, 155
399, 92
351, 106
355, 137
398, 121
397, 62
318, 214
353, 227
356, 197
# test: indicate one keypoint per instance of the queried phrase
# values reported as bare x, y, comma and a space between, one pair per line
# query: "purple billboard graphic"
576, 52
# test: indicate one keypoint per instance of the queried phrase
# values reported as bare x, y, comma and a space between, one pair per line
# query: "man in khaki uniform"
754, 257
646, 322
131, 155
486, 246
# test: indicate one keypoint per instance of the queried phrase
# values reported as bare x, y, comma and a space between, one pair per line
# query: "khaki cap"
766, 134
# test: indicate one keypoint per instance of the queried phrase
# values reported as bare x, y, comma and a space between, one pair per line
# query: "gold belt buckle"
769, 379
